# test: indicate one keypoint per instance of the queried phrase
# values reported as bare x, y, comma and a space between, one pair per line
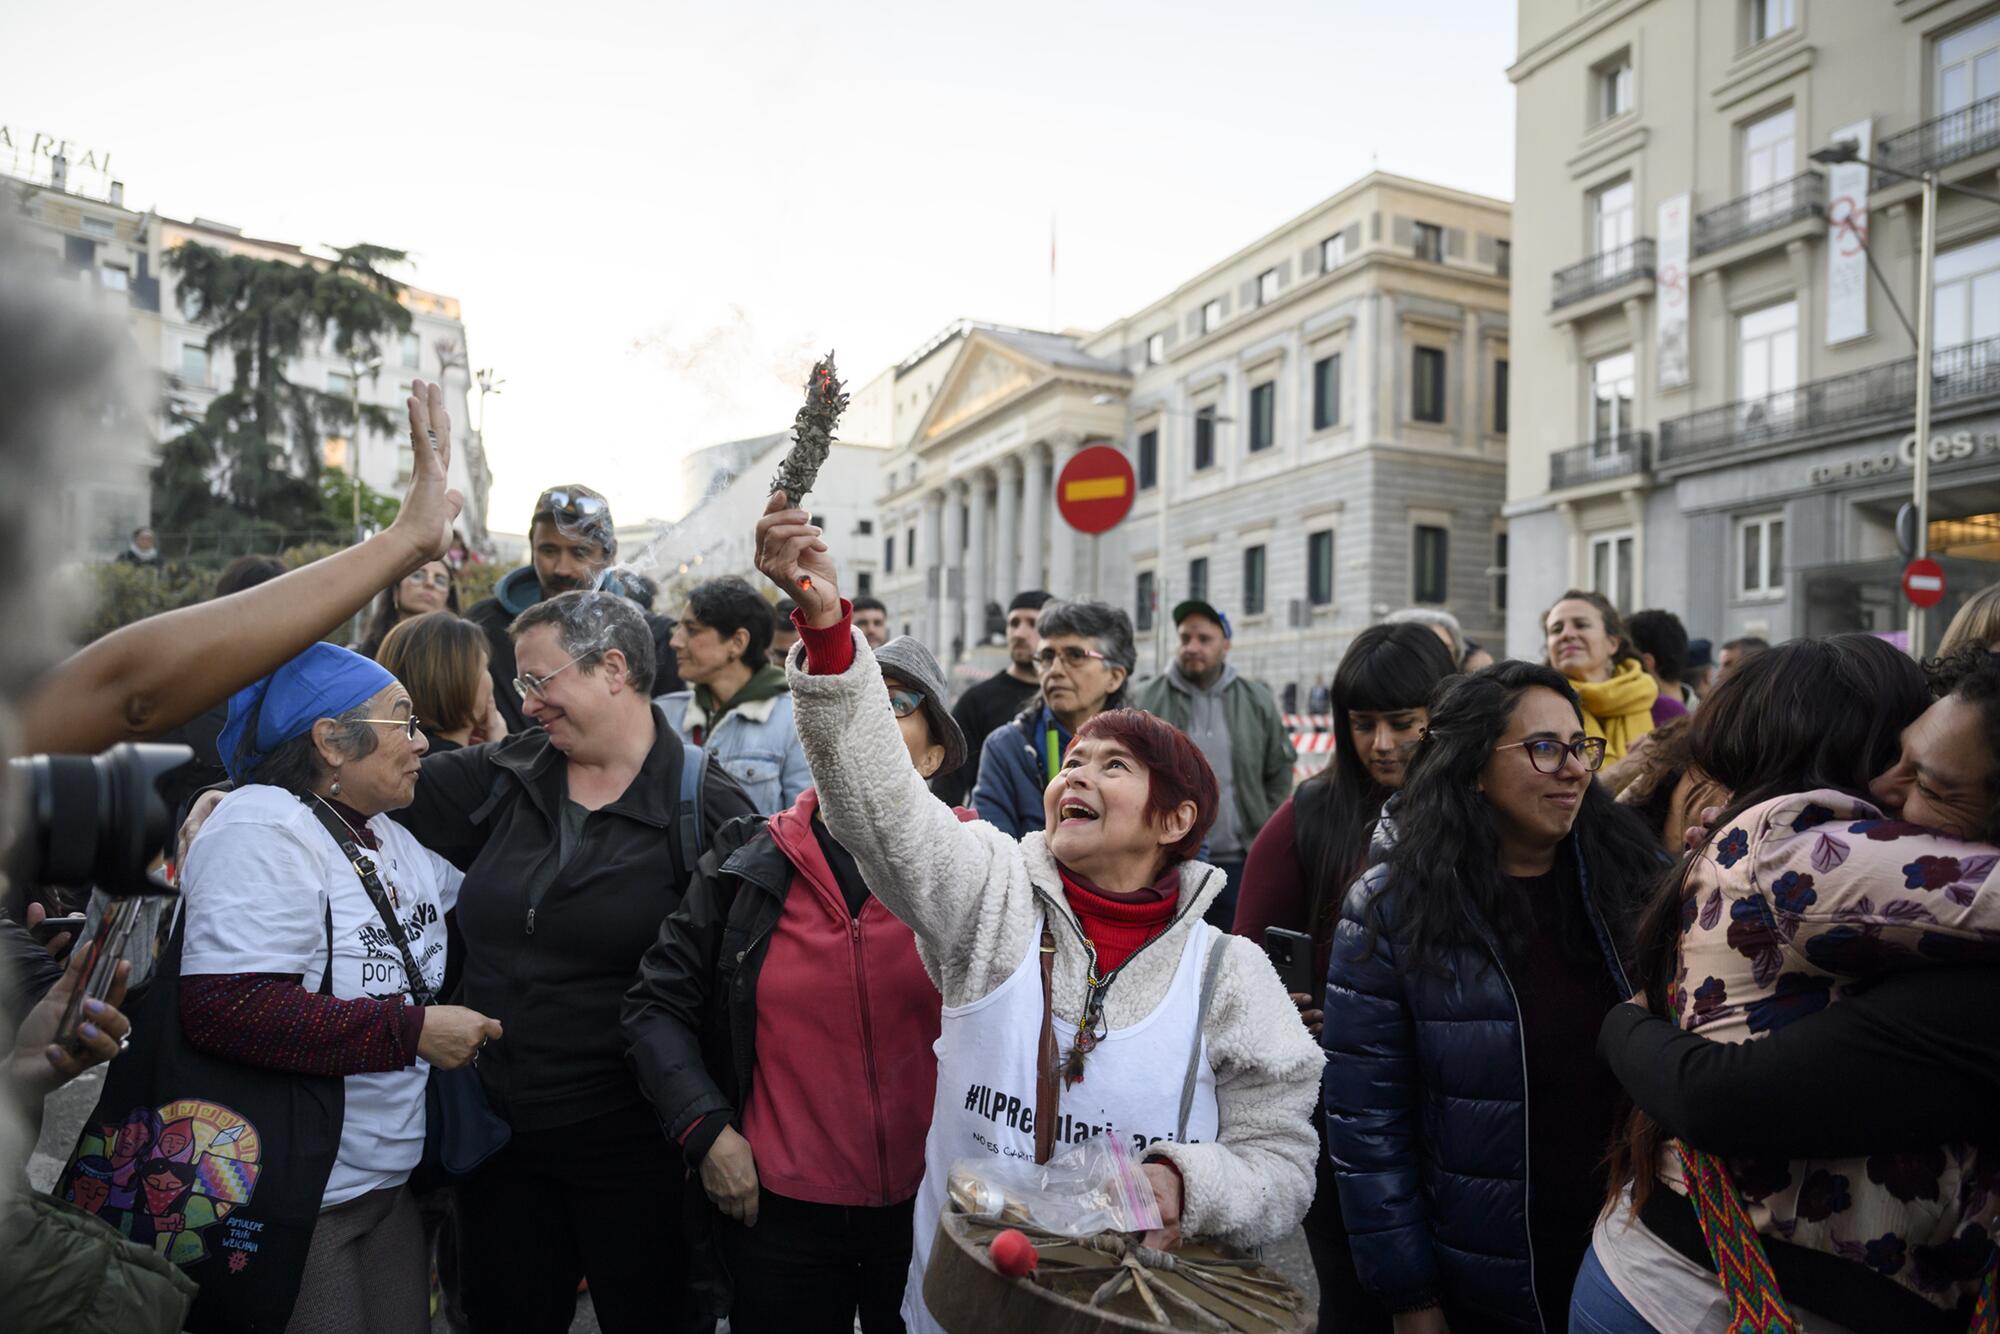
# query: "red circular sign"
1923, 583
1095, 490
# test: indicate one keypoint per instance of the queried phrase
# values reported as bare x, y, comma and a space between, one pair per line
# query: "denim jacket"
755, 742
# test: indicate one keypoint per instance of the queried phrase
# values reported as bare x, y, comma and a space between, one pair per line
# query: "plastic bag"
1095, 1187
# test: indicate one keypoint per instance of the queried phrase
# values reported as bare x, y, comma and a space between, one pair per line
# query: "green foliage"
254, 454
475, 583
122, 594
336, 494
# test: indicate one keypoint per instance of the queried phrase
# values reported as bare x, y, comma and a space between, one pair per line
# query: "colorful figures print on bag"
166, 1176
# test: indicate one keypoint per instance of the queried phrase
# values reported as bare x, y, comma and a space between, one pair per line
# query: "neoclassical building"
986, 417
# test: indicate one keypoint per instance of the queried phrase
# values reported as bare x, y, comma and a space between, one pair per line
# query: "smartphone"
1291, 953
50, 927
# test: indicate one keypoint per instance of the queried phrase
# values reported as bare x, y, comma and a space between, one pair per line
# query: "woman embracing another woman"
1106, 905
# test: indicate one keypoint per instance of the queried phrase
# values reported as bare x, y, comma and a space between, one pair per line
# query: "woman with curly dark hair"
1466, 1115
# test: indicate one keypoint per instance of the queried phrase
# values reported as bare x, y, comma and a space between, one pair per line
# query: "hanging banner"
1846, 242
1670, 301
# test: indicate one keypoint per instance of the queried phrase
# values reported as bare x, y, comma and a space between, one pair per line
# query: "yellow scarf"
1619, 709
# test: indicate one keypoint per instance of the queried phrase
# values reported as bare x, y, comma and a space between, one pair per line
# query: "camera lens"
93, 819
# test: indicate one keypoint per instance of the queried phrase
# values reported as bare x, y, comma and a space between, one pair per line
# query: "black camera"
92, 820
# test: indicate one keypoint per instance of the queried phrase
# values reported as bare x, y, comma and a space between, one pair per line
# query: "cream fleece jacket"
973, 895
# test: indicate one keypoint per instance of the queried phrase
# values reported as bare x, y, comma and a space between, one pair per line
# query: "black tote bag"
217, 1165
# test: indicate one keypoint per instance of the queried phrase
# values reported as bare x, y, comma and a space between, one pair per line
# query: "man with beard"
570, 544
994, 701
1236, 723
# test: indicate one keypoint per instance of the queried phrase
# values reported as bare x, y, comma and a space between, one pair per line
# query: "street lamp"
1848, 150
1161, 594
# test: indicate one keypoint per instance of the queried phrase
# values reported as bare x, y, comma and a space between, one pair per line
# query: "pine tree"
252, 459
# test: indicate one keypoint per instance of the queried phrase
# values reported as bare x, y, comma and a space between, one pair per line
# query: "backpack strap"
1208, 979
694, 772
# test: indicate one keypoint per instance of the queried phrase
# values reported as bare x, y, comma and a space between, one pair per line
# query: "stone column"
951, 591
1064, 581
933, 564
1034, 520
978, 563
1006, 574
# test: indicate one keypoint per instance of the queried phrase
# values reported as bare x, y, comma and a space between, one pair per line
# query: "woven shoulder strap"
1755, 1304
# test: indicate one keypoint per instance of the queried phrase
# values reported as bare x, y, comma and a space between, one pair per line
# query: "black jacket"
728, 918
494, 619
550, 952
1426, 1106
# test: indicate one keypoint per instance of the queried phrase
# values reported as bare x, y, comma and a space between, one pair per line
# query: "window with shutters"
1503, 258
1198, 579
1149, 460
1156, 349
1142, 602
1319, 568
1211, 316
1427, 384
1614, 86
1613, 566
1427, 242
1326, 392
1499, 572
194, 365
1253, 581
889, 554
1263, 416
412, 349
1430, 559
1500, 397
1204, 438
910, 549
1768, 18
1333, 252
864, 582
1267, 287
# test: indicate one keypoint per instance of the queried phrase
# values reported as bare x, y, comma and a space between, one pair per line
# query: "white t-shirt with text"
256, 885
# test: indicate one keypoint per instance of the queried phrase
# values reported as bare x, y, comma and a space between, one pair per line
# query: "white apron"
986, 1085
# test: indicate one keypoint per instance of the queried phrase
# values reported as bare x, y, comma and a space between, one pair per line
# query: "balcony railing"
1626, 454
1767, 210
1950, 138
1604, 271
1839, 404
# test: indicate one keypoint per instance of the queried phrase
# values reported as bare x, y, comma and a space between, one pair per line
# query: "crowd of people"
563, 944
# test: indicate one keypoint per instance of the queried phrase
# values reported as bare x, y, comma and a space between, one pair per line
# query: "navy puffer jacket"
1425, 1094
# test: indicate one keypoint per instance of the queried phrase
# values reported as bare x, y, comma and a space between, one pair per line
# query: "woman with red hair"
1081, 987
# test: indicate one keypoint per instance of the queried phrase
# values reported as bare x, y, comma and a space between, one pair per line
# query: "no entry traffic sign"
1095, 490
1923, 583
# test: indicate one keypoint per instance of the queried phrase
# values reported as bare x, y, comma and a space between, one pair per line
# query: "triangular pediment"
985, 375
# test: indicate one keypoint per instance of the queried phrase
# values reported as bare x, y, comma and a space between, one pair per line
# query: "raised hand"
430, 507
792, 555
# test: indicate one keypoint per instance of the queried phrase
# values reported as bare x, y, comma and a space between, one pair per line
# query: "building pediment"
984, 376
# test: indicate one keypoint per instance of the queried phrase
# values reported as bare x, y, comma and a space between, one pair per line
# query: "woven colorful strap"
1756, 1305
1986, 1311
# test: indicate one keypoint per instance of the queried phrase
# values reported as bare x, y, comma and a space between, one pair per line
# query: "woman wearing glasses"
320, 751
428, 588
578, 837
1466, 1112
1084, 661
786, 1071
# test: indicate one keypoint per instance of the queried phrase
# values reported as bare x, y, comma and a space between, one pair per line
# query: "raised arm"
155, 674
963, 888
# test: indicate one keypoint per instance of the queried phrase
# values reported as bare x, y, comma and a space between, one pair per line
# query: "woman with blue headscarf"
320, 750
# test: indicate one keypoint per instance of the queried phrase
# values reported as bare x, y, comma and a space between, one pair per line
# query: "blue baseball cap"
1196, 607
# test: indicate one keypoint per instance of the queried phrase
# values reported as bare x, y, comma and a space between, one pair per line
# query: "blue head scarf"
323, 682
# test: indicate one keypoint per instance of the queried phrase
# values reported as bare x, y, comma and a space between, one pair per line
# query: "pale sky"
655, 213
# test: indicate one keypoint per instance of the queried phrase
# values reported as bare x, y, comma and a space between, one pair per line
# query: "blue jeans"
1597, 1307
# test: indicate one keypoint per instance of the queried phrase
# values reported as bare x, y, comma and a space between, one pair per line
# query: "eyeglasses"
527, 683
1548, 756
1071, 655
407, 726
576, 513
903, 703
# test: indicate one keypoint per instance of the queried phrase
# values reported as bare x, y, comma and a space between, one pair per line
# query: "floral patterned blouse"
1790, 902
